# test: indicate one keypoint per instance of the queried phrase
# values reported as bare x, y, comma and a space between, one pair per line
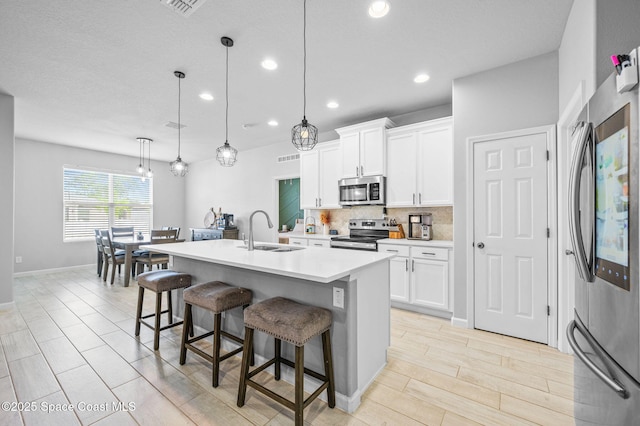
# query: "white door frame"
566, 291
552, 245
276, 198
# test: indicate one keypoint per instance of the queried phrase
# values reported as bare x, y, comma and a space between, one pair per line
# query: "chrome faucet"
250, 242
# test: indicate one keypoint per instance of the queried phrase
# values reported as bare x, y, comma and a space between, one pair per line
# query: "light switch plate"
338, 297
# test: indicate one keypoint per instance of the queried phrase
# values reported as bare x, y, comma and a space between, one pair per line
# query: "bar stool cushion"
164, 280
287, 320
217, 296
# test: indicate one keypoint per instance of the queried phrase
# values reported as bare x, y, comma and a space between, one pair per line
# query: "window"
100, 200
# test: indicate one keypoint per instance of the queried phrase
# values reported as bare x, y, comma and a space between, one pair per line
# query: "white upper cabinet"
319, 174
363, 148
420, 164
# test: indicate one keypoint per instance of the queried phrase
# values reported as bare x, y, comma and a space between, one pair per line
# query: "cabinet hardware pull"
395, 251
429, 254
319, 202
414, 199
413, 265
406, 264
420, 198
357, 171
361, 170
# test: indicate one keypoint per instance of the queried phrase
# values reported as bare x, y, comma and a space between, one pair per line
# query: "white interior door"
510, 236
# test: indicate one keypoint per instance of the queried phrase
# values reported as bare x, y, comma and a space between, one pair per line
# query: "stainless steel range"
363, 234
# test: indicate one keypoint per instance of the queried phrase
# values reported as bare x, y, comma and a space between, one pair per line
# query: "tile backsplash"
339, 218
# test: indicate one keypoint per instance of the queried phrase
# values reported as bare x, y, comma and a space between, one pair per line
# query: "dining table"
129, 245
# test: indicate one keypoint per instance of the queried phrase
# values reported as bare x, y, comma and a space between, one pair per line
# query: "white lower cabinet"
420, 278
311, 242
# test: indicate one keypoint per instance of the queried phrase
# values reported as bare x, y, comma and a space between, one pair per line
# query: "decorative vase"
325, 229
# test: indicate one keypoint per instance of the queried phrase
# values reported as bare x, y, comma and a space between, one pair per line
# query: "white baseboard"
459, 322
50, 271
7, 306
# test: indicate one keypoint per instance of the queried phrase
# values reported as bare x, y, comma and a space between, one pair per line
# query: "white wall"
247, 186
576, 55
38, 201
515, 96
7, 197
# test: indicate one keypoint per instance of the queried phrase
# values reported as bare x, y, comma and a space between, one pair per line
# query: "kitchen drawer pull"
317, 245
420, 198
413, 265
428, 254
297, 243
357, 174
394, 251
414, 199
361, 170
319, 202
406, 264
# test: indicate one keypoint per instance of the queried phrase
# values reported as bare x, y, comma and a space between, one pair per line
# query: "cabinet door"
430, 283
350, 149
435, 166
399, 278
372, 152
330, 169
401, 170
309, 175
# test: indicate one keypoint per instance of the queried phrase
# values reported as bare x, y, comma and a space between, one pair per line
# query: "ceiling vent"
183, 7
174, 125
287, 158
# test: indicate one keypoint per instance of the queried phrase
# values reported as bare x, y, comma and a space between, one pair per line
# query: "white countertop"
311, 263
417, 243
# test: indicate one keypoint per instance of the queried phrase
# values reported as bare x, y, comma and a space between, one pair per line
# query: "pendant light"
140, 168
226, 154
149, 173
304, 136
179, 167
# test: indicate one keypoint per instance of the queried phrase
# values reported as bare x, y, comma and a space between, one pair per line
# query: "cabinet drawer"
399, 250
298, 241
319, 243
430, 253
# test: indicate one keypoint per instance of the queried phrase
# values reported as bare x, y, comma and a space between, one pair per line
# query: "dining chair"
122, 231
100, 249
158, 236
113, 257
165, 228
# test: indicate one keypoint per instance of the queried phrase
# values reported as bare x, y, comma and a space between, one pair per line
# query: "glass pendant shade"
178, 167
304, 136
141, 166
226, 155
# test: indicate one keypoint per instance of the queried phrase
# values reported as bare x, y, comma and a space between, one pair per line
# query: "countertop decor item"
310, 228
304, 136
179, 167
226, 154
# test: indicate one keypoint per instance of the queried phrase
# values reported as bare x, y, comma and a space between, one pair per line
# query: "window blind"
100, 200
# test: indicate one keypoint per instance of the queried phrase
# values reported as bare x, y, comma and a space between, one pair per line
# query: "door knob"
568, 252
480, 245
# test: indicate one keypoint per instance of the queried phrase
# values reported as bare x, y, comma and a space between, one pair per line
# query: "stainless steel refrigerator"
604, 191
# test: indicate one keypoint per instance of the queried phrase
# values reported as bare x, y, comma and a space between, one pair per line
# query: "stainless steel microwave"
368, 190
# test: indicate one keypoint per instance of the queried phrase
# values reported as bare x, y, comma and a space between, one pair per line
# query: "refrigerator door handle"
609, 381
575, 231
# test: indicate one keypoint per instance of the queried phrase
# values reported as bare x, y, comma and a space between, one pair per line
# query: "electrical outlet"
18, 259
338, 297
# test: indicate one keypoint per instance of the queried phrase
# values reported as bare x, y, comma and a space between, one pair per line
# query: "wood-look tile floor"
69, 340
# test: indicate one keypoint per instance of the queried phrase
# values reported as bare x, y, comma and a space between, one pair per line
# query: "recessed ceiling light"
206, 96
421, 78
272, 123
333, 104
269, 64
378, 9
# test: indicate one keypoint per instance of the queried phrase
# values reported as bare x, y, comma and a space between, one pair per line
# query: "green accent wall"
289, 202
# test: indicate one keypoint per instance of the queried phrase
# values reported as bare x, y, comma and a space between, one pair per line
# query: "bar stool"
159, 282
216, 297
295, 323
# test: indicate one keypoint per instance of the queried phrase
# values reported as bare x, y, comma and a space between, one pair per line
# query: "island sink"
274, 249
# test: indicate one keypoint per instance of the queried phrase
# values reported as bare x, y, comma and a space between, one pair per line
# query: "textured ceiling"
97, 74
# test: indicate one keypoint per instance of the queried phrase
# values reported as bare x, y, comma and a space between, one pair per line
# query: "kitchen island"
353, 284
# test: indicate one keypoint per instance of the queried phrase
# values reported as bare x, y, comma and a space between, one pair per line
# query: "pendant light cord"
304, 73
226, 123
179, 116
